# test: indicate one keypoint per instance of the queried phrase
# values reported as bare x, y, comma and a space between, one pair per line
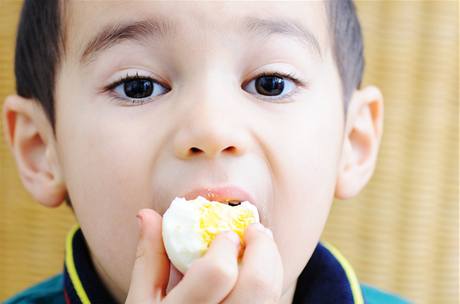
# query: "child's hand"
213, 278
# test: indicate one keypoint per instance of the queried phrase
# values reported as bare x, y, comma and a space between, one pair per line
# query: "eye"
272, 85
137, 89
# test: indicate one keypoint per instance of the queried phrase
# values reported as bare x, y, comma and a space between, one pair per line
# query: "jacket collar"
327, 277
82, 284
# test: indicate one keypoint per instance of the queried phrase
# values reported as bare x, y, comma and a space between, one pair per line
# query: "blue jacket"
327, 278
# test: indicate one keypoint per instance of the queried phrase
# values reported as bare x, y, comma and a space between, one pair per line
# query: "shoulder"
373, 295
48, 291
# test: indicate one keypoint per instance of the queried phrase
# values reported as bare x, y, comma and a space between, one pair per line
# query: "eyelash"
124, 101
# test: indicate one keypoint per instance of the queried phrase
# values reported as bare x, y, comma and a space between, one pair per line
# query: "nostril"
230, 149
195, 150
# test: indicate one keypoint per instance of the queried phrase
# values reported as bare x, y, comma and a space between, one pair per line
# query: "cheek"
303, 199
305, 168
107, 176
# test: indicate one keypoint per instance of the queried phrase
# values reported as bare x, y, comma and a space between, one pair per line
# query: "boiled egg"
189, 226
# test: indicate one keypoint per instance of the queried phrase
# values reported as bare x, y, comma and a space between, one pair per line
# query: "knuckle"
140, 252
262, 286
219, 272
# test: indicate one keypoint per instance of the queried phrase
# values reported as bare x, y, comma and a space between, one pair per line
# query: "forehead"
306, 21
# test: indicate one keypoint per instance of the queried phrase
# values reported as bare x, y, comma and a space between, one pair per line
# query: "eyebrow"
290, 28
138, 31
141, 31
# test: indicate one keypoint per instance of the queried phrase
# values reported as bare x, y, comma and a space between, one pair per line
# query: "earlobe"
29, 135
363, 132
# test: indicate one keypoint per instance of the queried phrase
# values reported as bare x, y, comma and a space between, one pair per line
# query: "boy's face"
206, 123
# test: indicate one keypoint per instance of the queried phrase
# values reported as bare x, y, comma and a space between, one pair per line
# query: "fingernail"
258, 226
139, 220
269, 232
232, 236
263, 229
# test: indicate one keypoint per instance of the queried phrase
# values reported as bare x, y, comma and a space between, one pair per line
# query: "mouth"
232, 196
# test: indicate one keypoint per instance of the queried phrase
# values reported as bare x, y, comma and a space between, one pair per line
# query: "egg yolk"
217, 217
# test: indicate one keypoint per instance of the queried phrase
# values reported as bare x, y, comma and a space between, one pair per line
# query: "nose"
210, 130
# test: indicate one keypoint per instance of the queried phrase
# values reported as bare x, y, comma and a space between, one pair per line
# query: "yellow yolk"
216, 217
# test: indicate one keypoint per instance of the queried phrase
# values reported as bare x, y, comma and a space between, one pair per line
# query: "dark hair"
40, 46
347, 45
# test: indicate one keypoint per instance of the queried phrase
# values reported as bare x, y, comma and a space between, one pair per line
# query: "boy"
122, 106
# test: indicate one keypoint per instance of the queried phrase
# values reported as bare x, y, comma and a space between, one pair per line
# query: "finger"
211, 277
261, 272
151, 267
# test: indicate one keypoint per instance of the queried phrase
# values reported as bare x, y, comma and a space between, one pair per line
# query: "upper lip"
220, 194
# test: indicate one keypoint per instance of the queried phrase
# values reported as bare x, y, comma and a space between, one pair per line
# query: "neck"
113, 288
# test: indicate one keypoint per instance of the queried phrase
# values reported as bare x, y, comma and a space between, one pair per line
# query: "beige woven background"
401, 233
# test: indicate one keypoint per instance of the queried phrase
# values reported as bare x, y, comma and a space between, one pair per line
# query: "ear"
363, 131
31, 139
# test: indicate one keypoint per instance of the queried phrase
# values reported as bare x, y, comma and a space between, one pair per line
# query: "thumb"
151, 267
